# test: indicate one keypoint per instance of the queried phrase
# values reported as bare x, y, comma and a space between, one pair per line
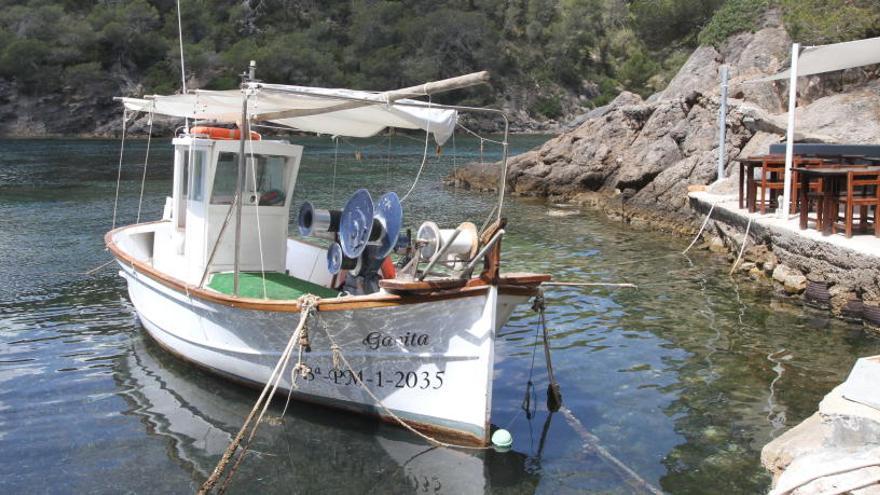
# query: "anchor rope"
307, 304
554, 403
554, 394
146, 162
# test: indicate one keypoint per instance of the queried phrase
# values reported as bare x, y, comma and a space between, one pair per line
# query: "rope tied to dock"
308, 304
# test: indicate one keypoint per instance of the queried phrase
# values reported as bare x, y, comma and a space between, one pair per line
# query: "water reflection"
311, 448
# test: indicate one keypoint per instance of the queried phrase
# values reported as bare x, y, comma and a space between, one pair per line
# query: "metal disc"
389, 213
337, 261
334, 258
429, 233
305, 219
356, 224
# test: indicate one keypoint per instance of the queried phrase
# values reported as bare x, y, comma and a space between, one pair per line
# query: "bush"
637, 70
735, 16
816, 22
548, 106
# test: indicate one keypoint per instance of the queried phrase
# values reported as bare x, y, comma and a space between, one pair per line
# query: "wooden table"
832, 180
747, 168
748, 185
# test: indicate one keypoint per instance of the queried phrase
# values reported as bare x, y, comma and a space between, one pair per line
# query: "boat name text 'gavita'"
374, 340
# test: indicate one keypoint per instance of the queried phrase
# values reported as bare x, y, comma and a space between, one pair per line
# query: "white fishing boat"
219, 282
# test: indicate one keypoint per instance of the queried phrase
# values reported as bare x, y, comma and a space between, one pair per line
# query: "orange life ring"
388, 270
222, 133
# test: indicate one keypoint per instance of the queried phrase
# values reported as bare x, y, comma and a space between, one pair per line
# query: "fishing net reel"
451, 248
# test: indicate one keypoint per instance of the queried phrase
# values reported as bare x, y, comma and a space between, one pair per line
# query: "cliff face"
637, 157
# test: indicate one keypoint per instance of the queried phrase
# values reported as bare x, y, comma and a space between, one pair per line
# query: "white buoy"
502, 439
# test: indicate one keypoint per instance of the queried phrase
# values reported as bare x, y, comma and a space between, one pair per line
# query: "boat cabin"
197, 240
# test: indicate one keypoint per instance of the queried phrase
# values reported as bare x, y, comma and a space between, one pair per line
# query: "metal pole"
502, 181
782, 212
245, 131
722, 124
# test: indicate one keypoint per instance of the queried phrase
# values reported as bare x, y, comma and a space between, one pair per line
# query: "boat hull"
429, 363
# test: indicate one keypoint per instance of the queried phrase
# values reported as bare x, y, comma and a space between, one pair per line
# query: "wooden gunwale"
474, 287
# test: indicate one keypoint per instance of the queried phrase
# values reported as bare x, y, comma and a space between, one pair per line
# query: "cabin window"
225, 178
271, 172
270, 180
197, 177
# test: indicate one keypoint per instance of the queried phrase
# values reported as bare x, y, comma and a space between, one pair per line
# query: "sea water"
683, 380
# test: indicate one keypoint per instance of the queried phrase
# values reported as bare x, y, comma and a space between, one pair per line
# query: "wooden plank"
427, 285
523, 278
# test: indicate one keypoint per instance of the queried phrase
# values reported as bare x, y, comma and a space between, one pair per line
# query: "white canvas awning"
828, 58
338, 112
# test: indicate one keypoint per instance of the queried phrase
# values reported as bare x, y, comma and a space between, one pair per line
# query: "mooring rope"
702, 227
307, 304
742, 247
591, 442
97, 268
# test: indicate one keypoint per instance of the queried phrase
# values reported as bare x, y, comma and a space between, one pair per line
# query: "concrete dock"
842, 274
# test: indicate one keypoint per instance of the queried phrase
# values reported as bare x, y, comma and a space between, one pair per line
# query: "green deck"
278, 286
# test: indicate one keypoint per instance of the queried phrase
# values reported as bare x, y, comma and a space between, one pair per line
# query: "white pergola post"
783, 210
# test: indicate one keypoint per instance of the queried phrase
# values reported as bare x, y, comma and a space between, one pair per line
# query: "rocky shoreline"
636, 160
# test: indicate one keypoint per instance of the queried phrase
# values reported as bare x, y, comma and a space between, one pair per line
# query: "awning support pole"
722, 124
783, 210
244, 130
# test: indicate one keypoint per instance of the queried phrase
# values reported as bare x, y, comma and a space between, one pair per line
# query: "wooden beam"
426, 89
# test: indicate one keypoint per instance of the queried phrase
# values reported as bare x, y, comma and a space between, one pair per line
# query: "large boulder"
699, 73
647, 153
